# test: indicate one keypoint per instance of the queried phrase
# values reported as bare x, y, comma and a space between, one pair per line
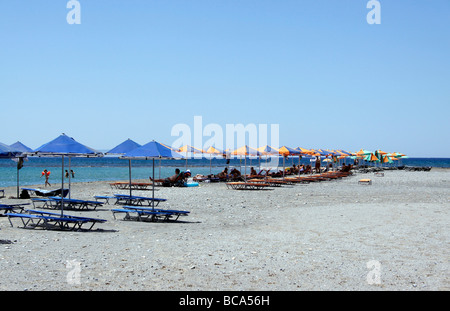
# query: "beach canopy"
245, 151
343, 152
324, 152
64, 145
371, 158
214, 150
153, 150
363, 153
267, 150
187, 148
386, 159
304, 151
399, 155
21, 147
8, 151
124, 147
287, 151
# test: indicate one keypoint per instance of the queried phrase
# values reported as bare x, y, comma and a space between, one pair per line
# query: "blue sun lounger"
91, 220
11, 208
74, 204
147, 213
170, 211
77, 204
103, 197
47, 193
141, 215
45, 220
136, 200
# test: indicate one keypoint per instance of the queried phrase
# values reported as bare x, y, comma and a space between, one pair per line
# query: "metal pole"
18, 181
62, 186
153, 186
129, 174
68, 172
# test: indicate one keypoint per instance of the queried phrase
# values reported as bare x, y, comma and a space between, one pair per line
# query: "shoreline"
317, 236
369, 169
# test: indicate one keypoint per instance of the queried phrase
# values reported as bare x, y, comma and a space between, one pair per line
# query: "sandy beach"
331, 235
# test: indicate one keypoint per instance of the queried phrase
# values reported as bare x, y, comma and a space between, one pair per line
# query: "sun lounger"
141, 215
297, 180
365, 181
271, 182
74, 204
88, 220
46, 203
247, 185
126, 199
148, 214
177, 213
104, 198
134, 185
45, 220
77, 204
47, 193
11, 208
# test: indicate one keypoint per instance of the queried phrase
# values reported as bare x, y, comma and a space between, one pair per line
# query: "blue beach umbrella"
63, 146
21, 147
151, 151
8, 151
126, 146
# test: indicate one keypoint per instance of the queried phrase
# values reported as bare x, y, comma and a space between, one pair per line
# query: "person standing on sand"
318, 164
47, 175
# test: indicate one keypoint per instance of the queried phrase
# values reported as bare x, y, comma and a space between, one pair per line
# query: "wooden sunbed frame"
238, 185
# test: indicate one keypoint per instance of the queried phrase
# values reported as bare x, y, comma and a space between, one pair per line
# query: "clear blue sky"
134, 69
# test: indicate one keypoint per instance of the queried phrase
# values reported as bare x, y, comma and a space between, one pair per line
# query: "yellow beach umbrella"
371, 158
212, 150
188, 149
245, 151
304, 151
267, 150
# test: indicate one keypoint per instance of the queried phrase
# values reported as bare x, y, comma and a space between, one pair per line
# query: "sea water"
113, 168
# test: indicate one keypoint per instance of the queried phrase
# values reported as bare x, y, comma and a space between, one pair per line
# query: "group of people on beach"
234, 174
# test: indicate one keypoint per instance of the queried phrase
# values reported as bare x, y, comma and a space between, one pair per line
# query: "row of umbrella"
65, 146
130, 145
378, 156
